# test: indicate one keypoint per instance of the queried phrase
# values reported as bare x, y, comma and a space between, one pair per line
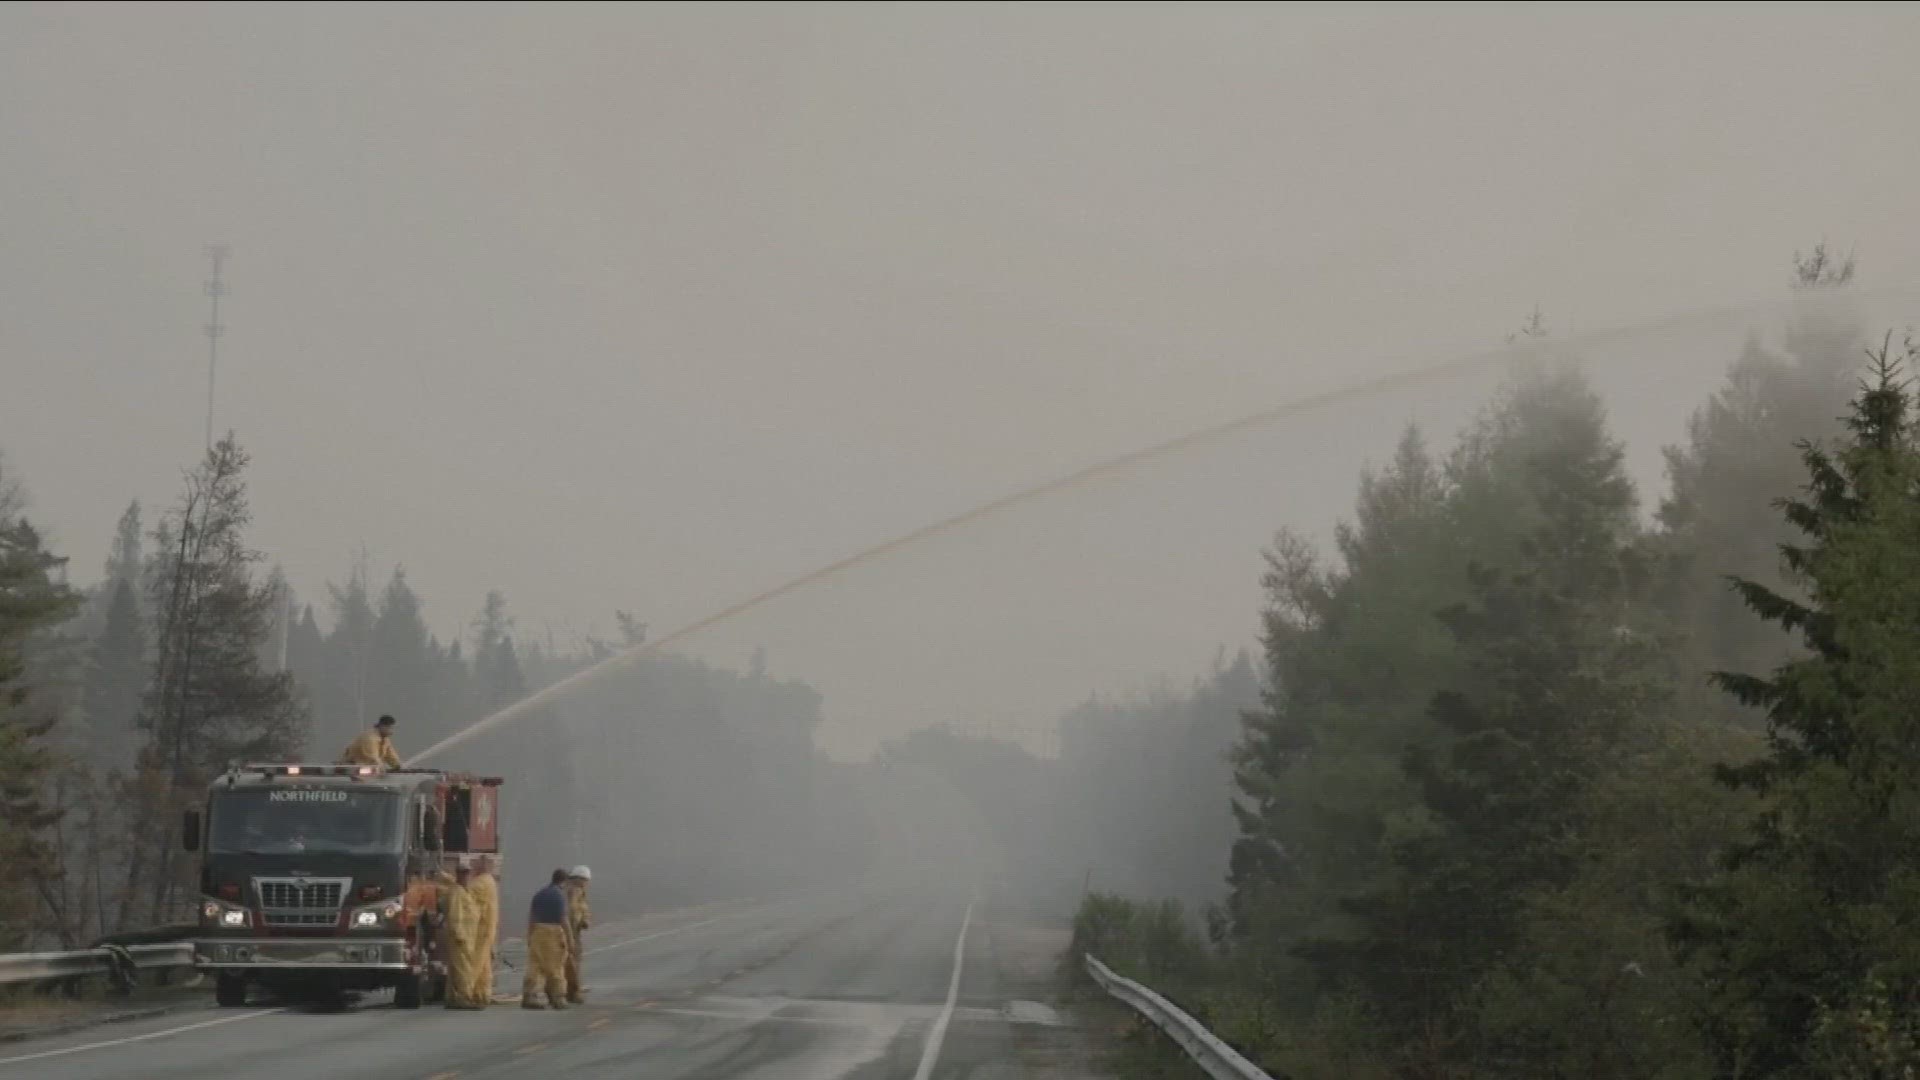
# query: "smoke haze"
654, 308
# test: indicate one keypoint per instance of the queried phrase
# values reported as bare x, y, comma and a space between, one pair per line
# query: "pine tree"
1544, 687
276, 650
1352, 654
452, 694
490, 628
345, 705
116, 678
209, 702
1804, 940
539, 752
1550, 698
633, 632
401, 674
1718, 517
539, 744
33, 600
126, 561
306, 654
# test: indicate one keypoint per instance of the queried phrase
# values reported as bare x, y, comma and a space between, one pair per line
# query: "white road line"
650, 937
690, 926
715, 1014
931, 1052
139, 1038
671, 931
647, 937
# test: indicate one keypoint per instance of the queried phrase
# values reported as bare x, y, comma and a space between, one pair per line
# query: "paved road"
851, 986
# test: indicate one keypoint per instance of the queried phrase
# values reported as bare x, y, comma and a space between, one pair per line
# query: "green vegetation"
33, 599
1540, 788
121, 698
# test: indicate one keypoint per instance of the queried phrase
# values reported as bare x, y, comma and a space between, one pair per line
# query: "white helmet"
581, 872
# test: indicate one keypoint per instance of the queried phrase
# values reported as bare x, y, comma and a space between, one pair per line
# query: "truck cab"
316, 880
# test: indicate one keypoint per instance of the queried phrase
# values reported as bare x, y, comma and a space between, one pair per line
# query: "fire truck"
318, 880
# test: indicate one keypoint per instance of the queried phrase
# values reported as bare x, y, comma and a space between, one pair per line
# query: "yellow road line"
534, 1049
600, 1023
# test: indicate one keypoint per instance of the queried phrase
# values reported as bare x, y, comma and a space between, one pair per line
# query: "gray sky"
652, 307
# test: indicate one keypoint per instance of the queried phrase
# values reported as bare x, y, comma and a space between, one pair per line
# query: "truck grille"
285, 893
279, 918
300, 901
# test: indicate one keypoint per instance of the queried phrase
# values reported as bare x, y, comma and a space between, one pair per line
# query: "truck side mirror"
190, 830
430, 829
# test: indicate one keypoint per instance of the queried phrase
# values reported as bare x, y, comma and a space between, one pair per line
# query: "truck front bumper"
291, 954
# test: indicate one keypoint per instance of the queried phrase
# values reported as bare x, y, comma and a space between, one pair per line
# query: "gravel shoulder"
1027, 952
27, 1014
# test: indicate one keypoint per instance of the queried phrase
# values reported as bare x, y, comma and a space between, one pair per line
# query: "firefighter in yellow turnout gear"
468, 952
579, 917
485, 889
547, 948
373, 747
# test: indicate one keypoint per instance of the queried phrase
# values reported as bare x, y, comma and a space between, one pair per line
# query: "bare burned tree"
1821, 269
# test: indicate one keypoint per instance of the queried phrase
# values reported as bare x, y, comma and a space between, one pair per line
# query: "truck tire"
230, 991
410, 991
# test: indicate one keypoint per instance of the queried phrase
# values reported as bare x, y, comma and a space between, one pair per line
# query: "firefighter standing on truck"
373, 747
547, 948
579, 917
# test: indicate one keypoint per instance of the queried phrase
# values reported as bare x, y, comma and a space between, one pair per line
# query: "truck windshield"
292, 821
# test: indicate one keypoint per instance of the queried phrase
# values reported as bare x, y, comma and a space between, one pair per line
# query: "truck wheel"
410, 991
230, 991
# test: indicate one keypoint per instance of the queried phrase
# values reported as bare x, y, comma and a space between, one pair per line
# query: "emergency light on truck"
315, 770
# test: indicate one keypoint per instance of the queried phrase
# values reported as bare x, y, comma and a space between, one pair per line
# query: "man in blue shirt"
547, 948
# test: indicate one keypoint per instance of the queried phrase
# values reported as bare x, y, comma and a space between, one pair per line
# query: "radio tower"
216, 254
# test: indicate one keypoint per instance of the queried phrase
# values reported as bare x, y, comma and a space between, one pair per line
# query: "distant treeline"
121, 699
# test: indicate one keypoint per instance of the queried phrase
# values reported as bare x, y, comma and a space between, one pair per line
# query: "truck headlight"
224, 916
368, 918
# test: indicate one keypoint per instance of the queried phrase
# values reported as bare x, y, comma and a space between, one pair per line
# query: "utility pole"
216, 254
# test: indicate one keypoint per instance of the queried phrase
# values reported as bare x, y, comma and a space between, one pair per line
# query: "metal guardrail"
121, 961
1215, 1058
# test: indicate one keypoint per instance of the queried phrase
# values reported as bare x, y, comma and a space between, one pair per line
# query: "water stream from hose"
1700, 319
